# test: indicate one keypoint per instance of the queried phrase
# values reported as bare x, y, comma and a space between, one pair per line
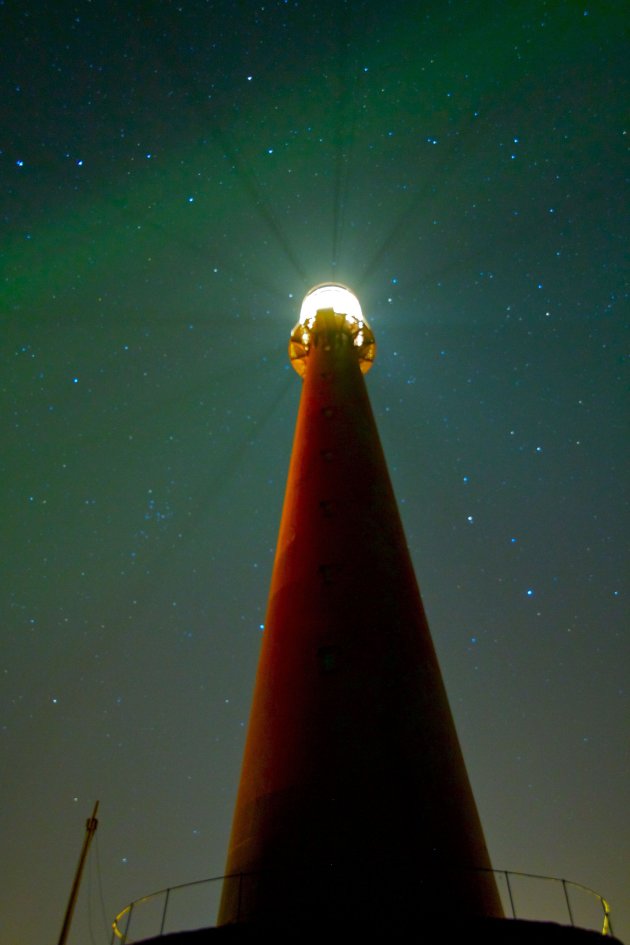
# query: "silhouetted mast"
90, 830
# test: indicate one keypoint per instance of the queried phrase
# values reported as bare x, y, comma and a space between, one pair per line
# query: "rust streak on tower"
354, 803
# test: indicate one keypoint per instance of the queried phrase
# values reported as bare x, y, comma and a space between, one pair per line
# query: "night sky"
176, 176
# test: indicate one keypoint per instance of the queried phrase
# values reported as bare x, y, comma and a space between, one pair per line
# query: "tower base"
447, 932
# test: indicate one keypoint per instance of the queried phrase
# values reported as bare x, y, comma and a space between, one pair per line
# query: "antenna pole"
90, 830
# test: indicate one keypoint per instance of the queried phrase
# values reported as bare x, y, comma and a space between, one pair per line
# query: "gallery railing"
524, 896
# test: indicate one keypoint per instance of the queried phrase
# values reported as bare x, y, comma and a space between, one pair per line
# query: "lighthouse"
354, 805
354, 813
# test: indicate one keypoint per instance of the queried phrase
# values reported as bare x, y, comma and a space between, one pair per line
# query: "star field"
176, 177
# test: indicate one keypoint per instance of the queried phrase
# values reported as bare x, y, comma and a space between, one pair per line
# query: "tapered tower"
354, 803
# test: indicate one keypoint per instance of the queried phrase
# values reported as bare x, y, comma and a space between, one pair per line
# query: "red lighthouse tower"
354, 804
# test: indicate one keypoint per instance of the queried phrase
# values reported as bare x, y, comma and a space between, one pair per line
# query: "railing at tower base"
524, 896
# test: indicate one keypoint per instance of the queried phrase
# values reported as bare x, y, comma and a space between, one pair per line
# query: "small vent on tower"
328, 573
327, 658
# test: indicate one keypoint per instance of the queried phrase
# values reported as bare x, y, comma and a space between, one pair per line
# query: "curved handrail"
154, 895
506, 874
